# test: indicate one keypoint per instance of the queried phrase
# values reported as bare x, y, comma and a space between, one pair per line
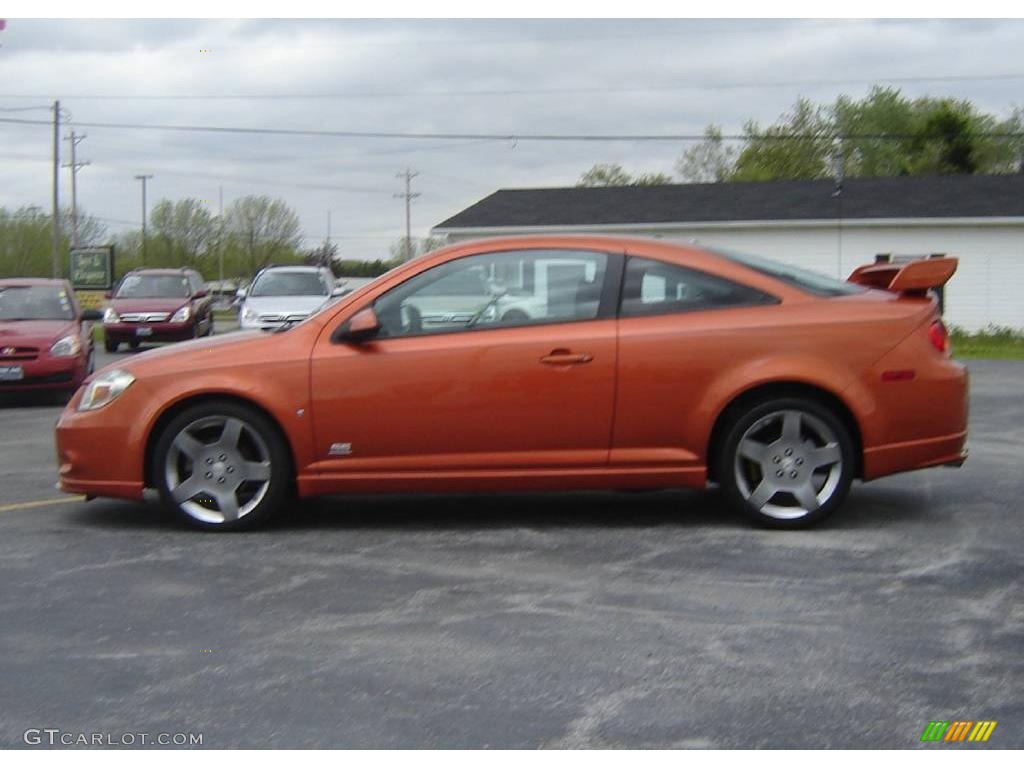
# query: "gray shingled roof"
888, 198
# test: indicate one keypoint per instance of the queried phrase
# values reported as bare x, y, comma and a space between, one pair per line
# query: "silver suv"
280, 295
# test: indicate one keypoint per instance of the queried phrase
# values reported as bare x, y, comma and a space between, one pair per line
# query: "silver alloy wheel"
788, 456
217, 469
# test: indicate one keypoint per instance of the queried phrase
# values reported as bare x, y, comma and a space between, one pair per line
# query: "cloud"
558, 76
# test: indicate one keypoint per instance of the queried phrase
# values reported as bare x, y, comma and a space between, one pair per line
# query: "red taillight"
939, 336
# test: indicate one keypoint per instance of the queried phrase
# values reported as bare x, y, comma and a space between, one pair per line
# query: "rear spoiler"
916, 276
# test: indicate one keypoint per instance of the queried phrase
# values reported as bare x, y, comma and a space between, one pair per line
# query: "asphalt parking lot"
581, 620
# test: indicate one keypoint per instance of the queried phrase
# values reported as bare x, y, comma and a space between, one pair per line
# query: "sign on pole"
92, 268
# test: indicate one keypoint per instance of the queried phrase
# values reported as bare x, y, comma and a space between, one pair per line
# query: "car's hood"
148, 305
33, 333
234, 353
279, 305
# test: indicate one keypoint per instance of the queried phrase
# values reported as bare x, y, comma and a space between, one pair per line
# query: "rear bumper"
947, 450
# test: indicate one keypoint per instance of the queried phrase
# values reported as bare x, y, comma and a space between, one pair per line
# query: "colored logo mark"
958, 730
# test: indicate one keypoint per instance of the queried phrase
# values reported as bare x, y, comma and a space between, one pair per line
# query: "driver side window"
496, 290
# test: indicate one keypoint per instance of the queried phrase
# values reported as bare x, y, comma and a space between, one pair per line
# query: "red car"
45, 336
157, 305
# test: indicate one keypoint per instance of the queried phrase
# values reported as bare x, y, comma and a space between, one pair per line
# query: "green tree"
324, 255
185, 231
263, 230
26, 240
605, 175
924, 136
884, 111
799, 146
710, 160
363, 268
613, 175
417, 247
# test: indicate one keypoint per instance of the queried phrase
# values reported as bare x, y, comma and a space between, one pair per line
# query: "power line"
532, 91
504, 137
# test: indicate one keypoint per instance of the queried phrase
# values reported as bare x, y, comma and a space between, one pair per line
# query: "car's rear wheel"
110, 346
787, 463
221, 466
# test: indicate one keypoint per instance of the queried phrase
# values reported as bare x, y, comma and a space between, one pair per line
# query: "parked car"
671, 366
280, 295
157, 305
45, 336
222, 293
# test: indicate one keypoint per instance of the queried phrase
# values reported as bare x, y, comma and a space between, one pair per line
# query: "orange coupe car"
542, 363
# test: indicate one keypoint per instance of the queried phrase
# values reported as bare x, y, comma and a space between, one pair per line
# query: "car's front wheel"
786, 463
221, 466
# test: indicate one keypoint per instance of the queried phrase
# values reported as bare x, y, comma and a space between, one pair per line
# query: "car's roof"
161, 271
26, 281
292, 268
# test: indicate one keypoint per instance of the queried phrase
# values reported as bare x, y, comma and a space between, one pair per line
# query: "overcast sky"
504, 77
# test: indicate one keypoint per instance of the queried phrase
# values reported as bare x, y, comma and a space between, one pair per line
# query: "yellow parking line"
40, 503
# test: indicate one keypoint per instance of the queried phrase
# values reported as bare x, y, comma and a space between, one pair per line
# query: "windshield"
34, 302
153, 287
804, 279
289, 284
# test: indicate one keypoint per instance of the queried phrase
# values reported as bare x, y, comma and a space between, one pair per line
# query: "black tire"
261, 445
209, 327
795, 466
110, 346
134, 343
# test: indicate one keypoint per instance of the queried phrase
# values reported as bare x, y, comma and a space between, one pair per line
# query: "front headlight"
110, 316
69, 346
104, 389
182, 315
248, 314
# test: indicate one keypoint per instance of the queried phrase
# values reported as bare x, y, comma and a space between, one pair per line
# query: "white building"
979, 219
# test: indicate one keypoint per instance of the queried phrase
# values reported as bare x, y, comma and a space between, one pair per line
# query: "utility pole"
55, 255
220, 235
839, 170
143, 177
74, 165
409, 195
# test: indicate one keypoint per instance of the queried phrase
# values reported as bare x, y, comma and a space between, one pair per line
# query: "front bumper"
95, 454
46, 372
149, 332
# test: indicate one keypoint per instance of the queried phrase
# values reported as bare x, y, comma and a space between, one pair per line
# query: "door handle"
565, 357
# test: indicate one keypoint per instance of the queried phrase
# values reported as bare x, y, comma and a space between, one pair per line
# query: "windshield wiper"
285, 326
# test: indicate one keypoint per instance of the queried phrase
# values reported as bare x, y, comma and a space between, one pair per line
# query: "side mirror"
362, 326
337, 291
91, 316
240, 293
108, 295
200, 294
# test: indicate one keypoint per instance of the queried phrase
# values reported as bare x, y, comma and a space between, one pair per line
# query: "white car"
281, 295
